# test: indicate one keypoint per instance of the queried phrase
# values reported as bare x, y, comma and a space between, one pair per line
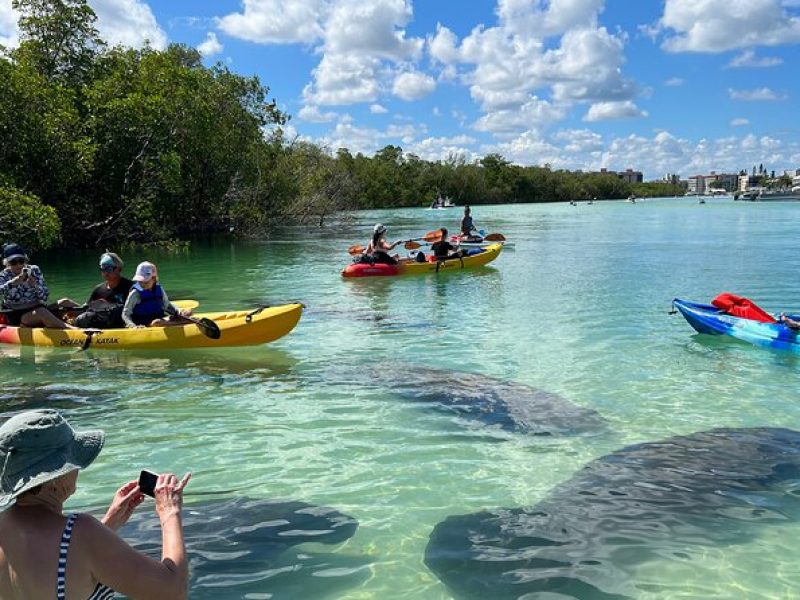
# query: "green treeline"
105, 146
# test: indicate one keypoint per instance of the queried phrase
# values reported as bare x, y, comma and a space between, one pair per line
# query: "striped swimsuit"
101, 592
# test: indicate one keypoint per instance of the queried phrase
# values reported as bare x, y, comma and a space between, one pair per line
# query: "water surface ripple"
577, 312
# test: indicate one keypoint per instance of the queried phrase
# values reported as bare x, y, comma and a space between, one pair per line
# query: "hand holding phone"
147, 483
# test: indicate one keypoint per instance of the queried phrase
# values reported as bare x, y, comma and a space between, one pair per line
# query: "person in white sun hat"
378, 248
147, 304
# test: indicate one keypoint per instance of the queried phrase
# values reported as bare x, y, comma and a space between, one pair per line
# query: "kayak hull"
263, 326
410, 267
708, 319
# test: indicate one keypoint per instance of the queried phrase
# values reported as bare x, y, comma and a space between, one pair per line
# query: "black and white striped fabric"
101, 592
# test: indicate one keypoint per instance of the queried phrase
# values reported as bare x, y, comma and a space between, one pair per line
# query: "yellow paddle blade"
411, 245
357, 249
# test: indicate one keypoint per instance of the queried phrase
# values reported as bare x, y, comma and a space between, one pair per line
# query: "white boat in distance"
762, 195
440, 203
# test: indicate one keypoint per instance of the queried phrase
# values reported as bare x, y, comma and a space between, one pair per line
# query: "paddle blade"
410, 245
186, 304
433, 236
357, 249
209, 328
495, 237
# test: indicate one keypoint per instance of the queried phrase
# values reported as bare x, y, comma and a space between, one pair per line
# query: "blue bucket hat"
38, 446
11, 251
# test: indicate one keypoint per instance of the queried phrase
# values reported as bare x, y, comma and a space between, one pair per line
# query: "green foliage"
58, 38
145, 146
24, 219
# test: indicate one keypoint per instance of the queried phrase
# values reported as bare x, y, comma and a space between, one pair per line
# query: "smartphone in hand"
147, 483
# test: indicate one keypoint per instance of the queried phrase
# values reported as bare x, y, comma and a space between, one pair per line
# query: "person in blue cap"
104, 307
45, 552
23, 292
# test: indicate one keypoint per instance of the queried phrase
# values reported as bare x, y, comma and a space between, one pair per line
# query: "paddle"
207, 326
101, 308
430, 237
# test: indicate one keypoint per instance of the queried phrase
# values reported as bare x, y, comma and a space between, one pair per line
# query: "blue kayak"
706, 318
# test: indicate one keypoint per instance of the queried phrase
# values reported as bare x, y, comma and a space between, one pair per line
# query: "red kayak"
368, 270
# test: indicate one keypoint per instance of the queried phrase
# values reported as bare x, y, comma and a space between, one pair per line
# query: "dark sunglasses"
108, 268
17, 261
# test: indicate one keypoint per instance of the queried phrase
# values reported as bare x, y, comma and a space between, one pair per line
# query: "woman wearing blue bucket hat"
40, 457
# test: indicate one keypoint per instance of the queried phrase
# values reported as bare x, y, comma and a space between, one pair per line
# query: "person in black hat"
23, 292
43, 550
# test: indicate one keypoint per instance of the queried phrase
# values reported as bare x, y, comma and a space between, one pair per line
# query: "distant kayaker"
147, 304
467, 226
443, 249
104, 306
378, 248
23, 292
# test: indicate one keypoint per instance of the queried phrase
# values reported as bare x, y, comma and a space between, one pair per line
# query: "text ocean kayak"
407, 266
707, 318
239, 328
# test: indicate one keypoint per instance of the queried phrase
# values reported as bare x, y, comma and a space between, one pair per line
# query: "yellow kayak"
239, 328
478, 258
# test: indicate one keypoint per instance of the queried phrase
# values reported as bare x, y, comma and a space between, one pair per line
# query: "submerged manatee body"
241, 546
508, 405
645, 502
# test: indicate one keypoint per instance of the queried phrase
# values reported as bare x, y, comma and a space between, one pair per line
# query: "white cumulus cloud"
763, 94
363, 42
211, 46
604, 111
413, 85
314, 115
9, 36
129, 23
378, 109
748, 59
125, 22
720, 25
277, 21
534, 17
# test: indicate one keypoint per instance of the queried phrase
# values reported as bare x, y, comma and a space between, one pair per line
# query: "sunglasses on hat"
108, 268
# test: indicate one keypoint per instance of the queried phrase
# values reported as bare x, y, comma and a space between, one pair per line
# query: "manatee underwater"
242, 546
510, 406
650, 501
20, 397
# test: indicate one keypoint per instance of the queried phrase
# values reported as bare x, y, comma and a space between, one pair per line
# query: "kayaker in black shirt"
104, 306
467, 226
443, 249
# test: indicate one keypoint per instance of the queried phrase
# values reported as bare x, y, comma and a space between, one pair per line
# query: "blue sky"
669, 86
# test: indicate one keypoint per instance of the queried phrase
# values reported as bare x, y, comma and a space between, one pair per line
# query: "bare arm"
117, 565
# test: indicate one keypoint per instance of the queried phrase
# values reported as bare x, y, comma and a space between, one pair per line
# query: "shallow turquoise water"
579, 309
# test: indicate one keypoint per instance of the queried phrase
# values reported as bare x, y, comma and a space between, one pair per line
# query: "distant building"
672, 178
631, 176
628, 175
703, 184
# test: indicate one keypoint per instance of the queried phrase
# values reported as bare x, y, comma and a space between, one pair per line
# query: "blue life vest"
151, 304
